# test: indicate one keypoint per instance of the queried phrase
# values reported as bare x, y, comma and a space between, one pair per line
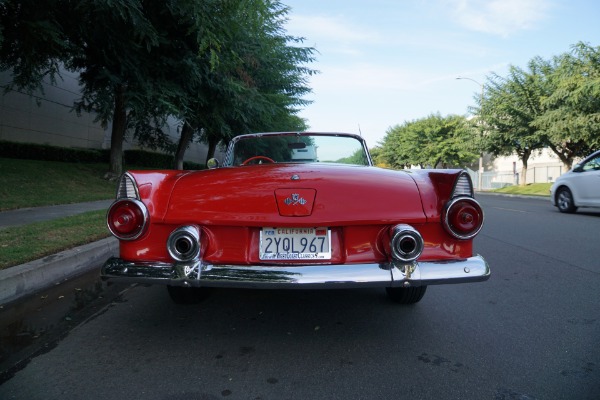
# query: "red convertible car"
296, 210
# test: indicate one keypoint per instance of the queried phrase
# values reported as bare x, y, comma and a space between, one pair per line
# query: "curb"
522, 196
26, 279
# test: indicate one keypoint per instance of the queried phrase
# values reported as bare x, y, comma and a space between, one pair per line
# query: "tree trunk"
117, 135
212, 147
186, 137
566, 160
525, 159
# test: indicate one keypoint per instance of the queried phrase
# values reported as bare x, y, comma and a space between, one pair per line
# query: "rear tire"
187, 295
406, 295
564, 201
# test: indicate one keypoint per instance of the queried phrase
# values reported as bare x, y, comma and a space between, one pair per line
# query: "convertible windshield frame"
299, 147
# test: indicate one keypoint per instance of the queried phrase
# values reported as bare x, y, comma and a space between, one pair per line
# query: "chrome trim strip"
473, 269
124, 177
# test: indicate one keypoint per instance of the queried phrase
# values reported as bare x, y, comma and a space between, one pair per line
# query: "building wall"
543, 166
47, 118
540, 159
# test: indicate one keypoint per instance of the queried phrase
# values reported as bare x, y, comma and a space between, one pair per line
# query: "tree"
135, 59
452, 142
571, 116
377, 157
32, 43
260, 83
219, 66
252, 85
112, 44
508, 109
429, 142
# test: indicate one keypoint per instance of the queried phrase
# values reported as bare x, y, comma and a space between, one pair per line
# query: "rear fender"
435, 187
155, 189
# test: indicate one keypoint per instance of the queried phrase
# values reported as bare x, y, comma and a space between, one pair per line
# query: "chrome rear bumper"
473, 269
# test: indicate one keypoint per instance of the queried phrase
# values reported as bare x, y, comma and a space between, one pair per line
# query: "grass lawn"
30, 183
21, 244
533, 189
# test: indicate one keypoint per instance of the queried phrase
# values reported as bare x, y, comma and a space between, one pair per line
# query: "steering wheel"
258, 158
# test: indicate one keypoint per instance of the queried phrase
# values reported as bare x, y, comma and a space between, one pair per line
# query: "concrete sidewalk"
27, 279
24, 216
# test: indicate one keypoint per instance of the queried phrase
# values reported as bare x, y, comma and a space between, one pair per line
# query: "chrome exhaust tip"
406, 244
184, 244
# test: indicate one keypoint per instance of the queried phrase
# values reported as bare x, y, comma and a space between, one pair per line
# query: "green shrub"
42, 152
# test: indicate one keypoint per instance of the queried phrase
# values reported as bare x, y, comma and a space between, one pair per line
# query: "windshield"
297, 148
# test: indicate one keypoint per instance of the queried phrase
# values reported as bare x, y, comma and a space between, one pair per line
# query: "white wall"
543, 159
543, 166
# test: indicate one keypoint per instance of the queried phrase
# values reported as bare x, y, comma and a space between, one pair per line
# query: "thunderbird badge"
294, 199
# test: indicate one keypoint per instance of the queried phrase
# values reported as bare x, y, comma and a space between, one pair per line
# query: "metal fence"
544, 174
498, 179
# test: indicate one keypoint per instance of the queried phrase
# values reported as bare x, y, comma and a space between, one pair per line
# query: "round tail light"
463, 217
127, 219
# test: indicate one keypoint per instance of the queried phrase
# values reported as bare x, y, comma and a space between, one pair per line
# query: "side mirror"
577, 168
212, 163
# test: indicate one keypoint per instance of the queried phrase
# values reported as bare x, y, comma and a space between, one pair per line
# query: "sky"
382, 63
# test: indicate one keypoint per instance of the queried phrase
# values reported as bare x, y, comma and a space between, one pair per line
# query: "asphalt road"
531, 332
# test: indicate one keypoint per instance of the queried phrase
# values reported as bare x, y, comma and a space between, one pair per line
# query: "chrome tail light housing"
127, 219
462, 217
406, 244
127, 188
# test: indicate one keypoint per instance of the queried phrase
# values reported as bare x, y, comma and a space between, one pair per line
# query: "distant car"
580, 187
296, 210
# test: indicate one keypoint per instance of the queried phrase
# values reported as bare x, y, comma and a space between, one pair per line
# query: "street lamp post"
480, 175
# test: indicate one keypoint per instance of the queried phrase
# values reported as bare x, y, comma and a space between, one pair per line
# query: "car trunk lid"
295, 195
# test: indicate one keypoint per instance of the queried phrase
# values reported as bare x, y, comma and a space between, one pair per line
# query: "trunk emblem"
295, 202
294, 199
295, 177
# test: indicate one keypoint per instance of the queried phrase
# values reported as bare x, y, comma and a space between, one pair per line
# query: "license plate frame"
289, 244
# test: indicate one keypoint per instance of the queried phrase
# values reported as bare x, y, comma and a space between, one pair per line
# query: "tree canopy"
548, 104
429, 142
554, 103
508, 108
571, 117
221, 67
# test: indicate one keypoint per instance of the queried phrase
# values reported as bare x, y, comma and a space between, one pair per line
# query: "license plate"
295, 244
